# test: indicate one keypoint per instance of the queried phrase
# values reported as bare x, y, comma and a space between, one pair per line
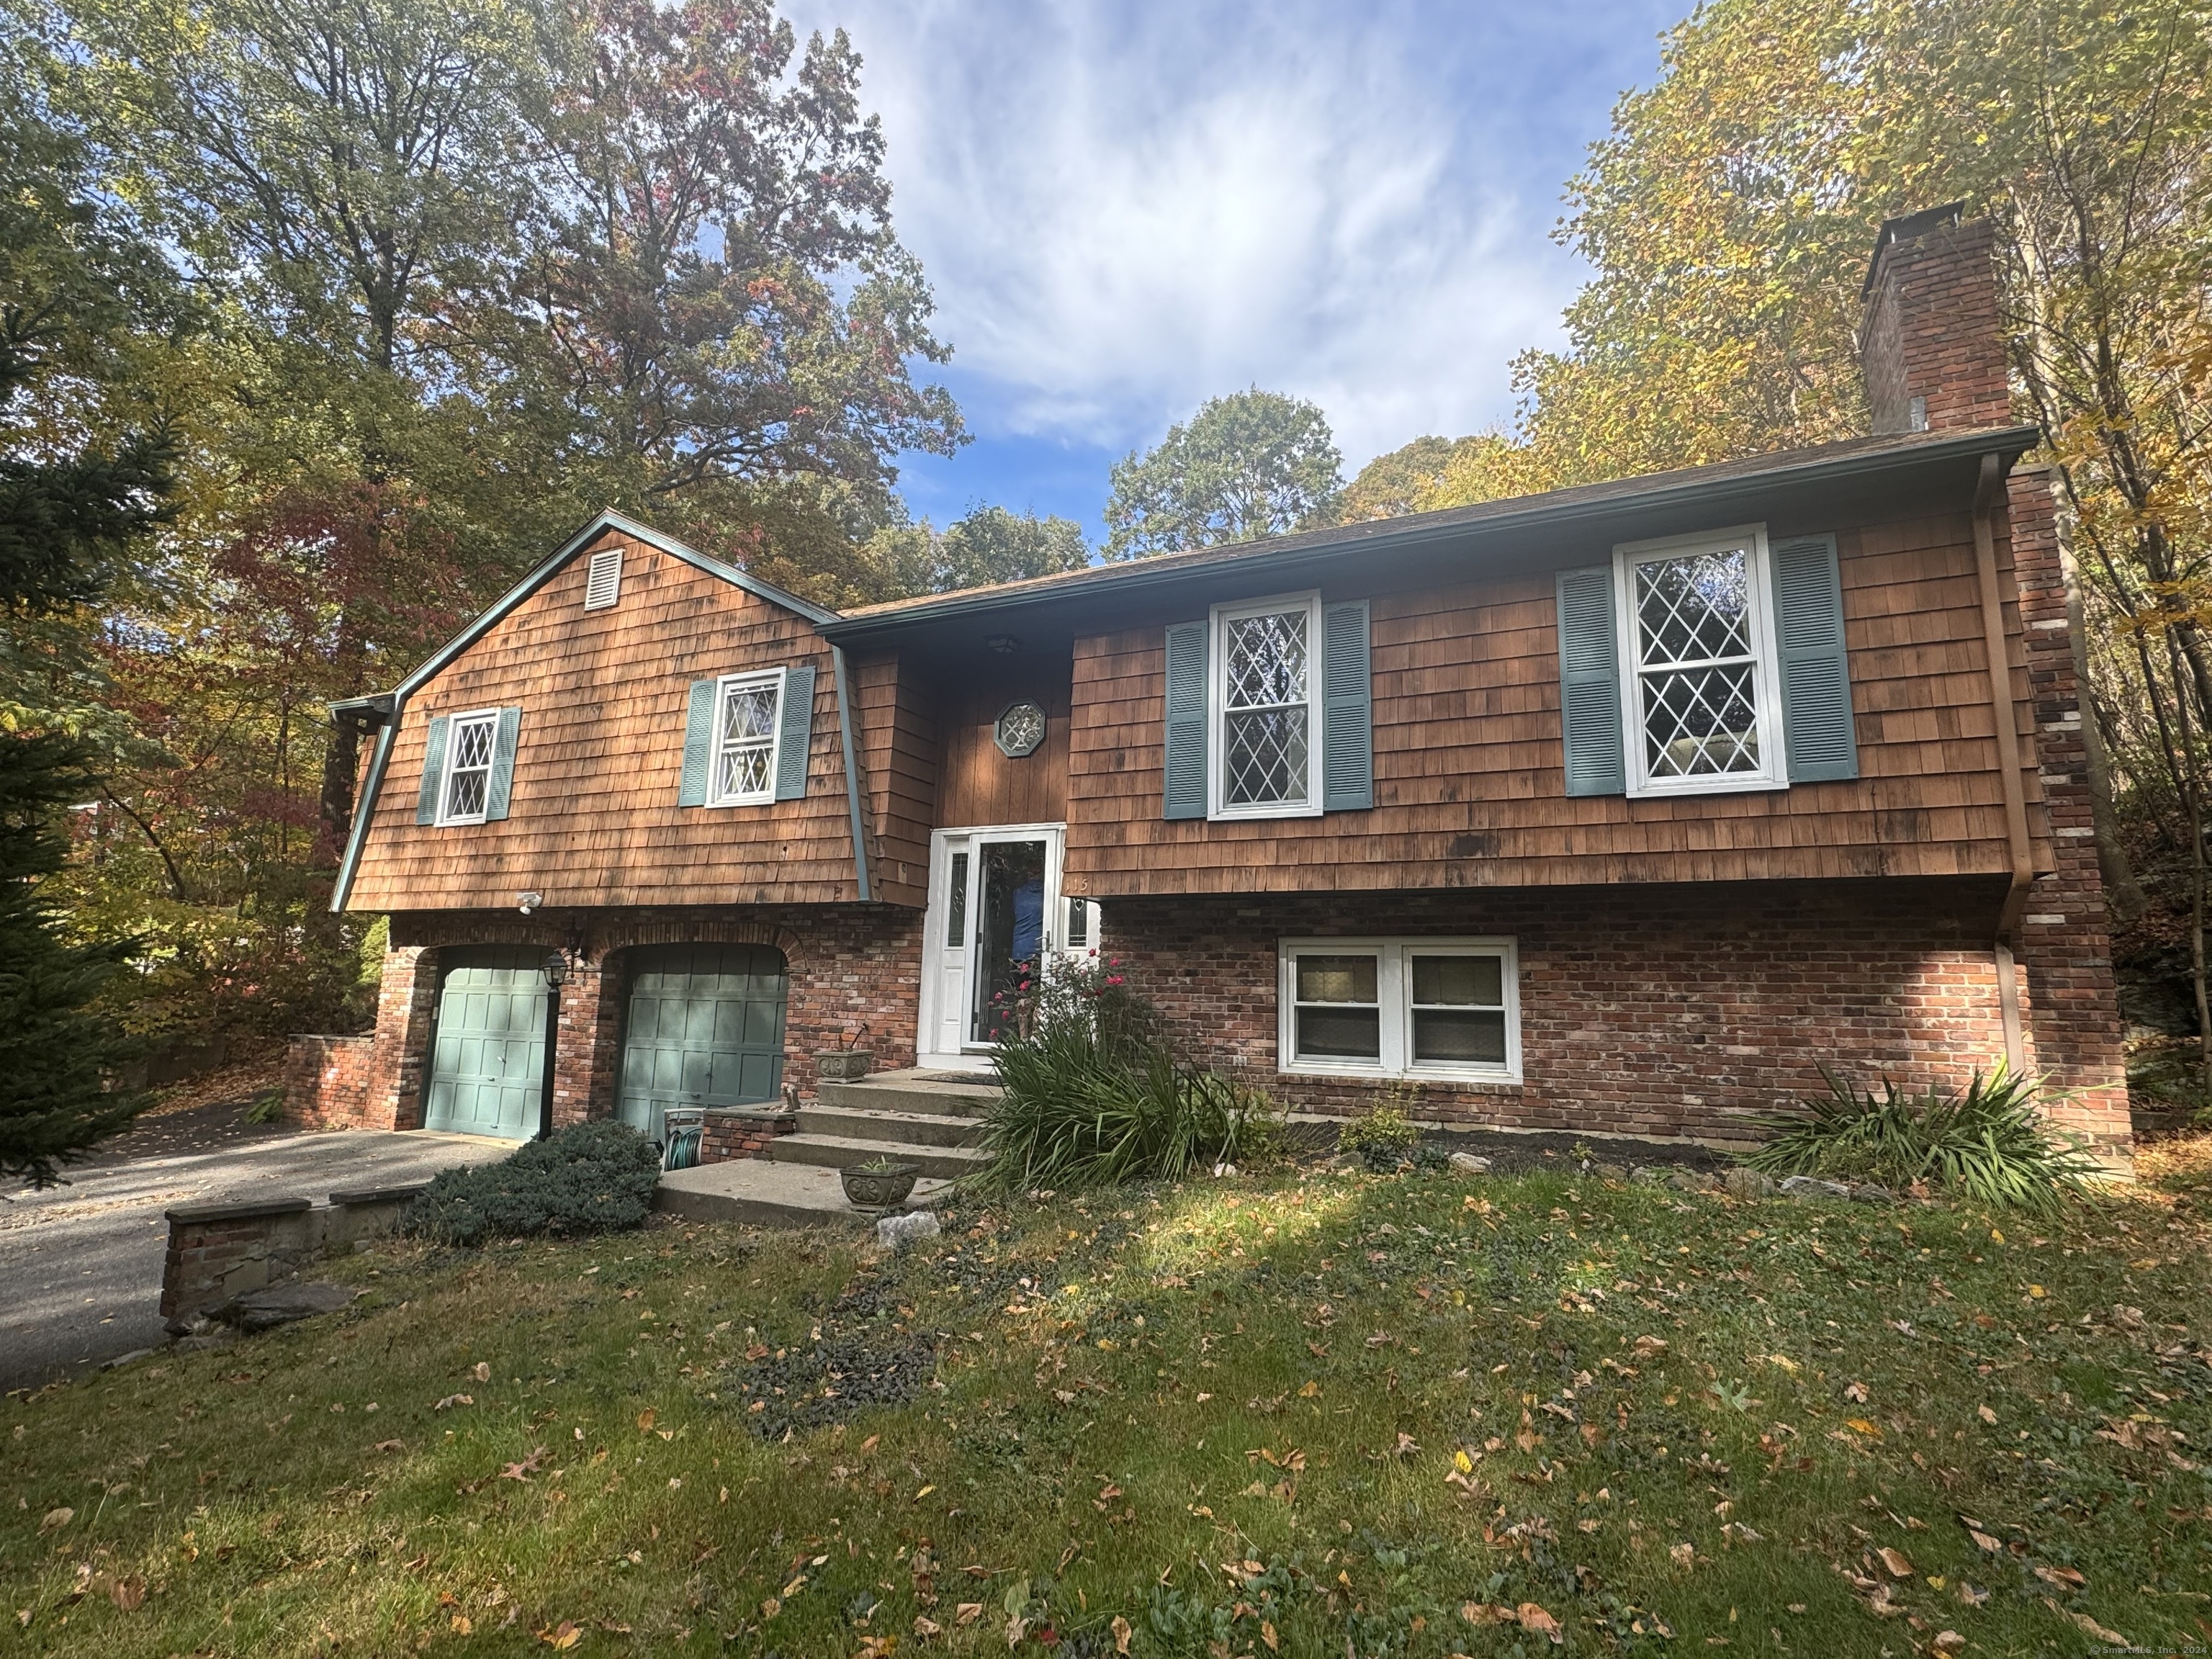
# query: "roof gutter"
1988, 489
1425, 530
852, 774
363, 810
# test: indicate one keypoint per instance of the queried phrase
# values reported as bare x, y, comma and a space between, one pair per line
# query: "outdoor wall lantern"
555, 969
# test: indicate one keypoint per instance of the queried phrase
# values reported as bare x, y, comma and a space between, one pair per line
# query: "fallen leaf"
1861, 1425
647, 1418
1985, 1413
1684, 1555
462, 1624
562, 1635
1267, 1635
1948, 1641
1856, 1394
454, 1400
967, 1612
391, 1445
1533, 1619
1985, 1541
2085, 1622
483, 1372
1894, 1563
926, 1628
2065, 1578
1650, 1347
56, 1519
1122, 1633
528, 1466
923, 1493
128, 1594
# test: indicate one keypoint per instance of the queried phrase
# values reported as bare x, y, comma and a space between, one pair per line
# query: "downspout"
363, 810
1987, 489
852, 774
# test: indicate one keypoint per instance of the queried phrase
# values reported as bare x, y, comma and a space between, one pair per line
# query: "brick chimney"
1931, 345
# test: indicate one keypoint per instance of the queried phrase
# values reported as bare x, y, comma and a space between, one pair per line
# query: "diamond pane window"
744, 740
1697, 669
1267, 711
468, 768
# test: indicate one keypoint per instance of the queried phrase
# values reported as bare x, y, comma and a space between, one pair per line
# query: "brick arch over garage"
850, 966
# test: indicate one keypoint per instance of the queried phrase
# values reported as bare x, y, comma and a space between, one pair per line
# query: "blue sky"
1126, 208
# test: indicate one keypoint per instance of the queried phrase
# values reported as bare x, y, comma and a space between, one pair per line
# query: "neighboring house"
1618, 810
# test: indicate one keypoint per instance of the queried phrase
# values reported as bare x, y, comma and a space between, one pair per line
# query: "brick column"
587, 1054
2073, 1011
405, 1006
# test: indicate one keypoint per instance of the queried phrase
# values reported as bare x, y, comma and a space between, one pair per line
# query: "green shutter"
698, 744
1590, 683
1816, 684
501, 784
434, 771
792, 747
1348, 711
1184, 786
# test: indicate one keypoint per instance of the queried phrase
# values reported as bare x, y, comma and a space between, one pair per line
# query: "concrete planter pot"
842, 1065
879, 1190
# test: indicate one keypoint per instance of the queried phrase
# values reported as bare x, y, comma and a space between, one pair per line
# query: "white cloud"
1125, 210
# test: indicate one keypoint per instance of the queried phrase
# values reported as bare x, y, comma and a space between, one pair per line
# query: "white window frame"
1395, 993
474, 717
1766, 680
1218, 808
724, 688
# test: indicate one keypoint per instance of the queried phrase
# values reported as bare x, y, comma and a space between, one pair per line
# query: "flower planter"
879, 1190
842, 1065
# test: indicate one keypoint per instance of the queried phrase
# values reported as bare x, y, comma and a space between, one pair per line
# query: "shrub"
589, 1178
1384, 1135
1090, 1095
1988, 1143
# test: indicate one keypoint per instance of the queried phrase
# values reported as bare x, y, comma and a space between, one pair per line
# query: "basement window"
603, 585
1447, 1009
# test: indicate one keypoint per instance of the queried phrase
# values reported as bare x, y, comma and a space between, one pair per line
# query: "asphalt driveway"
80, 1264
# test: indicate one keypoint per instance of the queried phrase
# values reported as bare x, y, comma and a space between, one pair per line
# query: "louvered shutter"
500, 784
1816, 686
798, 717
1183, 787
1590, 683
434, 771
698, 744
1347, 710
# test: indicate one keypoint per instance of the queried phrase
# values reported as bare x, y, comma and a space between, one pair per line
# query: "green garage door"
488, 1056
705, 1029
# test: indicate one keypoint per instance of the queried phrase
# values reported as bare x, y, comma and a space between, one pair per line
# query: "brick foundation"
327, 1080
1644, 1011
725, 1135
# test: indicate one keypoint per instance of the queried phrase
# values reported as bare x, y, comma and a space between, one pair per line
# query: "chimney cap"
1908, 227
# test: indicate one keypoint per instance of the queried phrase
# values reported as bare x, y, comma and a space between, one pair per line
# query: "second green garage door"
488, 1056
705, 1028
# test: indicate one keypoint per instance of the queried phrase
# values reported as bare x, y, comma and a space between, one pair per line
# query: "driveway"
80, 1264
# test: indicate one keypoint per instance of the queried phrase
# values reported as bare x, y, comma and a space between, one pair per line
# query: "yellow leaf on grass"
646, 1419
562, 1635
1309, 1391
923, 1493
1860, 1424
1462, 1462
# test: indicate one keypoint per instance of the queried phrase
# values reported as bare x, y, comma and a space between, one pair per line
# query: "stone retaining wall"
220, 1251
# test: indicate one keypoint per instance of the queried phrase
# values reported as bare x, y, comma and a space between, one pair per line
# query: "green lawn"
1311, 1414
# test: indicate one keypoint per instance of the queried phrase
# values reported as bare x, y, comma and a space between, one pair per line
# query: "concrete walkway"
80, 1264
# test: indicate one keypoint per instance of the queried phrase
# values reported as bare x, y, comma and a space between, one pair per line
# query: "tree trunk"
335, 804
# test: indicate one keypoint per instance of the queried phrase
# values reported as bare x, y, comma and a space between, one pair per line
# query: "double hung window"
1446, 1008
748, 719
1704, 703
1266, 709
470, 744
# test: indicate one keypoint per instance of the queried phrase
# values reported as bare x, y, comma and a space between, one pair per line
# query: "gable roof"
391, 704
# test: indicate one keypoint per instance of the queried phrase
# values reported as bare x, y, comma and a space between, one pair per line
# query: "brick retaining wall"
327, 1080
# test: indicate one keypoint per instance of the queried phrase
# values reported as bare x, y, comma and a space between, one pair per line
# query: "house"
1619, 809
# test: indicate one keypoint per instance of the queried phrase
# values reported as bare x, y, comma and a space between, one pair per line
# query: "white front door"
995, 910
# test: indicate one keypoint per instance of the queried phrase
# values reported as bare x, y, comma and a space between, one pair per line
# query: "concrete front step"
899, 1128
841, 1152
768, 1194
953, 1094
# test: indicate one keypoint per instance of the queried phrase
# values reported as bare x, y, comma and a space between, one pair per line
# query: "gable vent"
603, 585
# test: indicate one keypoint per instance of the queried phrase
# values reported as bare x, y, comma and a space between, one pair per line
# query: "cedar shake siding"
593, 817
1468, 780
